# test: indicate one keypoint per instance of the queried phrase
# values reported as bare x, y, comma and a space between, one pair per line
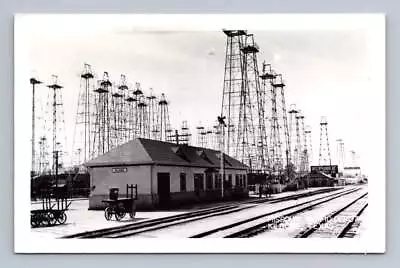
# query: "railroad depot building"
166, 174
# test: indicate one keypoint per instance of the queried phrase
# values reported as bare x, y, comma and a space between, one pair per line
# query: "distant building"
352, 172
323, 176
166, 174
331, 170
352, 175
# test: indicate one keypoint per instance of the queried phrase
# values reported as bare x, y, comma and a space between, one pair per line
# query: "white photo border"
374, 239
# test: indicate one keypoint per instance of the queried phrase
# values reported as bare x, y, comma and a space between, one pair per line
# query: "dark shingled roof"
146, 152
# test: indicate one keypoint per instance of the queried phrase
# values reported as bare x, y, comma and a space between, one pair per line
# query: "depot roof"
152, 152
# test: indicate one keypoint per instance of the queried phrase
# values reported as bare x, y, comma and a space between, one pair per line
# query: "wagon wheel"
43, 220
51, 218
62, 218
34, 221
133, 212
108, 213
120, 213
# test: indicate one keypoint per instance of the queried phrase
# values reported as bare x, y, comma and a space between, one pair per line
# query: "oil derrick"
43, 163
272, 150
297, 146
232, 90
131, 115
340, 155
243, 102
182, 136
57, 126
216, 140
119, 115
164, 131
34, 82
278, 84
324, 151
142, 123
152, 112
209, 138
254, 113
185, 134
354, 162
308, 144
275, 136
115, 114
294, 135
101, 137
137, 94
201, 136
304, 164
246, 141
83, 121
170, 133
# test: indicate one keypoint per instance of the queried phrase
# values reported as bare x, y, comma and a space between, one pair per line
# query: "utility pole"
55, 87
221, 121
33, 81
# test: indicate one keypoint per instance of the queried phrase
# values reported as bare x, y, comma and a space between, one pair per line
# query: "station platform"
80, 219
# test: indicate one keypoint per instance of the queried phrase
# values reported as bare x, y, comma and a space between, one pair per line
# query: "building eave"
120, 164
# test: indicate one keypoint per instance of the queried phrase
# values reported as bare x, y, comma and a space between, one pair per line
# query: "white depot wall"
103, 179
175, 171
174, 174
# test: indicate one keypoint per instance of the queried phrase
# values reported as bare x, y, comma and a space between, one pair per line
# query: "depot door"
163, 189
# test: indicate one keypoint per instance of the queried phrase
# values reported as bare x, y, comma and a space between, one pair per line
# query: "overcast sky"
327, 73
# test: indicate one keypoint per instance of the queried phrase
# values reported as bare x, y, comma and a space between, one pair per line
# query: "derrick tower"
164, 131
216, 142
253, 110
354, 159
201, 135
118, 112
308, 143
83, 135
340, 154
152, 112
276, 160
324, 150
185, 134
278, 85
142, 123
138, 95
43, 165
303, 150
58, 124
294, 131
272, 150
277, 164
130, 107
232, 88
243, 101
102, 138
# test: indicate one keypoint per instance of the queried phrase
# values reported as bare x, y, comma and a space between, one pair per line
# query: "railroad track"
291, 197
337, 223
155, 224
261, 223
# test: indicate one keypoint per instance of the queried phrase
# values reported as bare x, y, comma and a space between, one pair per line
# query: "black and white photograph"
165, 133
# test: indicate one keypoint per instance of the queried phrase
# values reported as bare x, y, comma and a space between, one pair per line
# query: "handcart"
52, 212
42, 218
119, 207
